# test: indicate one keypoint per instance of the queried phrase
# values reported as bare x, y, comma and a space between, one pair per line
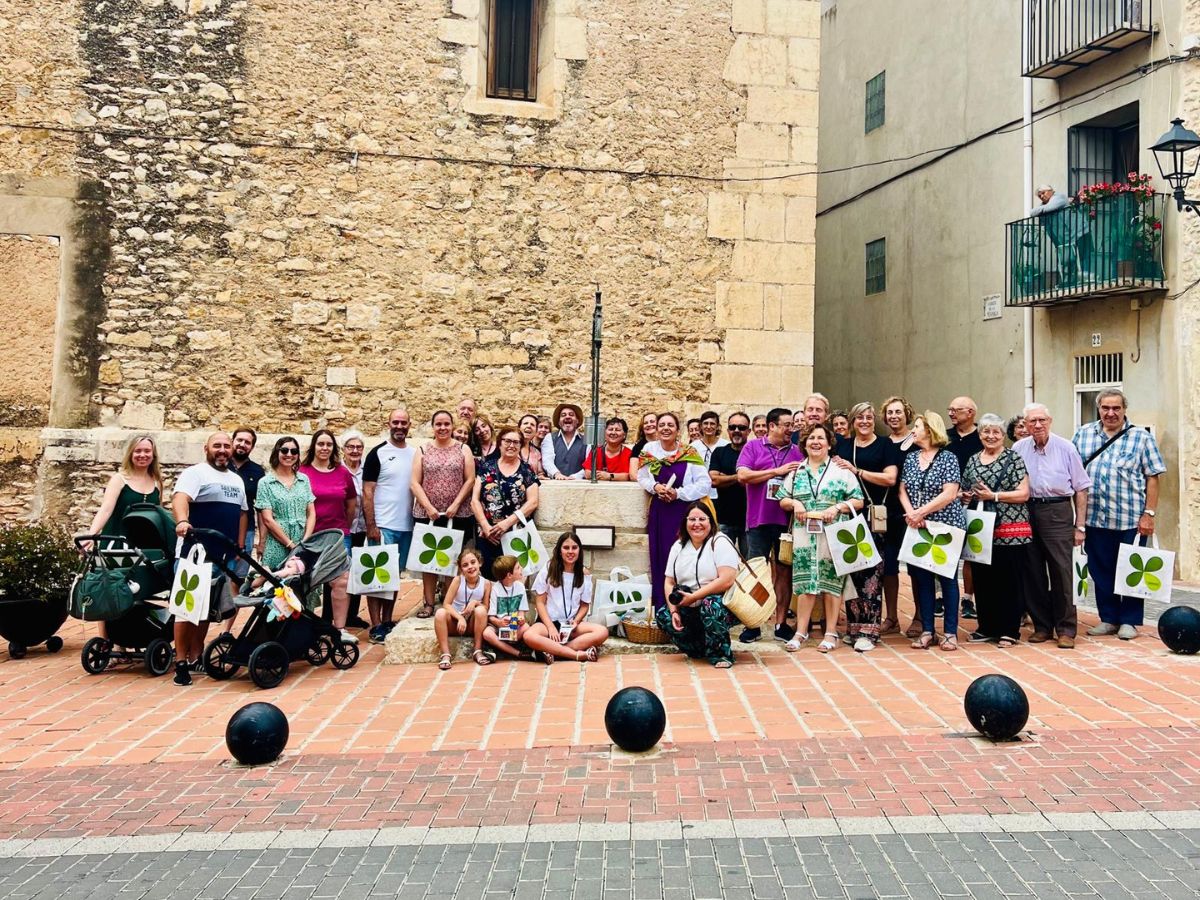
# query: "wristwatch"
1081, 529
1148, 512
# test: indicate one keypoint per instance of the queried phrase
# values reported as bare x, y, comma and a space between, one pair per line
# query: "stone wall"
314, 214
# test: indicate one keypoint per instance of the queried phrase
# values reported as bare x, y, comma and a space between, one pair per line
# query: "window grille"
512, 49
875, 113
877, 266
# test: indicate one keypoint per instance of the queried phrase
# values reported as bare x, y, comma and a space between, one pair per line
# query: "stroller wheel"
17, 651
96, 655
159, 657
344, 655
318, 654
269, 664
218, 658
54, 643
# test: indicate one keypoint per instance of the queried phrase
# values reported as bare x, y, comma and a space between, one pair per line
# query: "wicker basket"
644, 633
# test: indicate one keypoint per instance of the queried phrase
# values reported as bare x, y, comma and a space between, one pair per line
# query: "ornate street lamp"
1170, 152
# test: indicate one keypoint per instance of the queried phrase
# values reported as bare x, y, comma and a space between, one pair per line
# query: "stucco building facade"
932, 281
290, 214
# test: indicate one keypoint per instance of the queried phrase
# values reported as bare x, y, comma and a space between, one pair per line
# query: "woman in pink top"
336, 504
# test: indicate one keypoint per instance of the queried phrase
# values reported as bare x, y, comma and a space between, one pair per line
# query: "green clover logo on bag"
857, 543
1081, 574
376, 570
524, 551
435, 549
973, 528
932, 544
1142, 570
634, 601
184, 596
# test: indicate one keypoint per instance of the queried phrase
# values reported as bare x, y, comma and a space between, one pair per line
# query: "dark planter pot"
27, 623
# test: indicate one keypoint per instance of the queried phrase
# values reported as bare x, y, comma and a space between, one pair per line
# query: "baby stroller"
267, 646
122, 574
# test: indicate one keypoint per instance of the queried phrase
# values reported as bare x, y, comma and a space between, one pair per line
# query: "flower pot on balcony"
1126, 269
1148, 267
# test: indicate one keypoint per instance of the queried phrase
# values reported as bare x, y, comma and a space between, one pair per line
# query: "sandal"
889, 626
1007, 642
723, 664
915, 630
949, 643
592, 654
444, 662
425, 611
828, 643
924, 641
548, 658
482, 658
796, 643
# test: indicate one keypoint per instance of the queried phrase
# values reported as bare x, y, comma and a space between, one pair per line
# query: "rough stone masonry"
309, 212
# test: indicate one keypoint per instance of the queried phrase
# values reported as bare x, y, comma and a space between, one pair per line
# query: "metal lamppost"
597, 330
1170, 153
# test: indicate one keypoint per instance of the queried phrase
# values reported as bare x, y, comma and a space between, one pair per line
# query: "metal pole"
597, 329
1027, 320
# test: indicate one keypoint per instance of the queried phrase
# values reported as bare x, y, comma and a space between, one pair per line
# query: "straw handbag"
751, 597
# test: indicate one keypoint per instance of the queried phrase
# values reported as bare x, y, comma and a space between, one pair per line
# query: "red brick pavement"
1117, 770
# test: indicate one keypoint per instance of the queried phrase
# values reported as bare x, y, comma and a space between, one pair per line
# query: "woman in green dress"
139, 480
819, 494
286, 503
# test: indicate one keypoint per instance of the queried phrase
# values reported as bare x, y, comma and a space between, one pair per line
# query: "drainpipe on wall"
1027, 187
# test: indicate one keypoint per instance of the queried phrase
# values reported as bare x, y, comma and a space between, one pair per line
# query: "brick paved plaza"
846, 775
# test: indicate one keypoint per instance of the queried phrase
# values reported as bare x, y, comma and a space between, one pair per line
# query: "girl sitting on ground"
506, 627
563, 595
464, 611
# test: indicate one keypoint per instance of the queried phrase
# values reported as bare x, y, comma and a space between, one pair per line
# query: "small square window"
877, 266
875, 102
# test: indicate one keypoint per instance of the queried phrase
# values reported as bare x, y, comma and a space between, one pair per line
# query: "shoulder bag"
876, 513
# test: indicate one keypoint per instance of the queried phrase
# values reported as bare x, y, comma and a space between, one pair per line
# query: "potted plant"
1111, 207
37, 566
1147, 237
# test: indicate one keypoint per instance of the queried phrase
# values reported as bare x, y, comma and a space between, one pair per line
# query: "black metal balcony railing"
1065, 35
1079, 252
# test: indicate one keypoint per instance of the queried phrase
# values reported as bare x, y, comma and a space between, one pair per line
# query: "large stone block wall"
314, 215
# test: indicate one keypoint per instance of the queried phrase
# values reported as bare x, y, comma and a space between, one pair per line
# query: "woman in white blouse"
562, 593
674, 475
701, 568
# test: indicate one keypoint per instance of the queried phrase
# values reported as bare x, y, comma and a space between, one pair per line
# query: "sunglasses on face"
739, 427
288, 451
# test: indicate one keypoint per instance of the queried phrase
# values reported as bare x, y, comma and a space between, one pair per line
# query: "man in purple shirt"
761, 467
1058, 497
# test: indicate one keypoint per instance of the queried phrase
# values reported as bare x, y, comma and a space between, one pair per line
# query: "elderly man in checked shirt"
1124, 464
1058, 499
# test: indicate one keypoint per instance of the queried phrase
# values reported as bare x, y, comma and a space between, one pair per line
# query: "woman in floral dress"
819, 494
503, 487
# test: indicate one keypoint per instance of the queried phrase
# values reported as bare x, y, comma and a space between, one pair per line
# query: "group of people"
766, 489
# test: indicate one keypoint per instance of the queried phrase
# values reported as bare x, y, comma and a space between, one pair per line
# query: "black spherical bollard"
996, 706
635, 719
1179, 628
257, 733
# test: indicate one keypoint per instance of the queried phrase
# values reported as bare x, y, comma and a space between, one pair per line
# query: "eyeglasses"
289, 451
510, 442
957, 408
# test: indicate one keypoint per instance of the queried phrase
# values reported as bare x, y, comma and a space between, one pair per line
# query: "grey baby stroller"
267, 645
123, 576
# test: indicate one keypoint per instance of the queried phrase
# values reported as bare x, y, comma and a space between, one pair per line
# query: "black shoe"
183, 675
968, 609
784, 633
978, 638
357, 622
750, 635
197, 667
939, 608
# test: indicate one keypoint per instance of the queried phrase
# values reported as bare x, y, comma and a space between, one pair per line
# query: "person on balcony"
1066, 231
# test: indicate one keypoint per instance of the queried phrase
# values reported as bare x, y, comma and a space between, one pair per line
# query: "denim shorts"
402, 540
764, 540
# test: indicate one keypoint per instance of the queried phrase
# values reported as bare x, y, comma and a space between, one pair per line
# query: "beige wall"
945, 227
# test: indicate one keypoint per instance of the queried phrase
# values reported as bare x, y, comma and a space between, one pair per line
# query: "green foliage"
37, 562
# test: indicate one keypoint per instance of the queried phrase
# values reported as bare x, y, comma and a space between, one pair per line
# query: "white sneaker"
1102, 630
1127, 632
348, 638
864, 644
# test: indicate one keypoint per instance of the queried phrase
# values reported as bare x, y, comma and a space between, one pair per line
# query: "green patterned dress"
289, 506
817, 491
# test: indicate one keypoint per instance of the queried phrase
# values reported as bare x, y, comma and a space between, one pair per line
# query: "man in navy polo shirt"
251, 473
208, 495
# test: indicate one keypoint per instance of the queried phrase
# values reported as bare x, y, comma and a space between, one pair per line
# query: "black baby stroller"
123, 574
267, 646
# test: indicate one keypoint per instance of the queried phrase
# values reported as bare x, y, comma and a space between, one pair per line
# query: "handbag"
787, 541
876, 513
851, 546
751, 597
1145, 571
618, 596
525, 543
191, 589
101, 595
374, 571
434, 549
934, 547
1081, 578
977, 543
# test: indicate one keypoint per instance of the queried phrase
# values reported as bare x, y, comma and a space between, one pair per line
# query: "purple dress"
663, 523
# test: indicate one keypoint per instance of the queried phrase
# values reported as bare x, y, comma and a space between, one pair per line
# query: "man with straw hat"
564, 450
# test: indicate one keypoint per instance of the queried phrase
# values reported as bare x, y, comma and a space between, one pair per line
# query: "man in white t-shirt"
212, 496
387, 506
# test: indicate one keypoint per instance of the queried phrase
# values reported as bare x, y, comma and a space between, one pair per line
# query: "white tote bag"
526, 545
1145, 572
374, 570
434, 550
1081, 578
977, 544
852, 546
618, 596
192, 588
935, 547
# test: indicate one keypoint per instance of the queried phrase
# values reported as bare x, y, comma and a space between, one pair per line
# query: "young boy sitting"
506, 614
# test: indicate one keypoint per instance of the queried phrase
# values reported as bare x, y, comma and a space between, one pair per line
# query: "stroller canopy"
148, 526
331, 558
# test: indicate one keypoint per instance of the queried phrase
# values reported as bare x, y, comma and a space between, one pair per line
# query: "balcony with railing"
1114, 245
1066, 35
